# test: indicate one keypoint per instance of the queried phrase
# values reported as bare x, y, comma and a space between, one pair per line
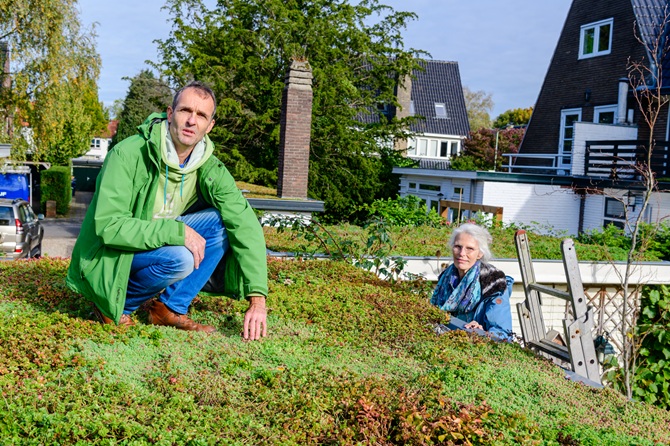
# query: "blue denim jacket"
493, 313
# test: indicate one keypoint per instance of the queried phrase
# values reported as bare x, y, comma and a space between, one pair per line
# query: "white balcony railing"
550, 163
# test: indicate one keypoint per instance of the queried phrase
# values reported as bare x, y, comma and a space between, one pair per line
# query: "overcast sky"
503, 48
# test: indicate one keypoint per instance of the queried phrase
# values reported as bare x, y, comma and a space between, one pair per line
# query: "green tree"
478, 105
114, 111
516, 116
243, 49
146, 95
54, 70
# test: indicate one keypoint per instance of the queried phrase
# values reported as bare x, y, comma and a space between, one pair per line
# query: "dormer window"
440, 110
596, 39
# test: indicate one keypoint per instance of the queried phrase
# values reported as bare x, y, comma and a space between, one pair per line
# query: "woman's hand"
474, 325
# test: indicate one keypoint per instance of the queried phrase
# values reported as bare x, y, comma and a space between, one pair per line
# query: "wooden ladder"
580, 351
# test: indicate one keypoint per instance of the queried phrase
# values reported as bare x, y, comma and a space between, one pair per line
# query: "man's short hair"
201, 87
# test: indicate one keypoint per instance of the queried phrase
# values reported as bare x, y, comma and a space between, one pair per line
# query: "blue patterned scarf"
456, 295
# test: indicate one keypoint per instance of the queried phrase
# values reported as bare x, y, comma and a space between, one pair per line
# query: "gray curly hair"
478, 233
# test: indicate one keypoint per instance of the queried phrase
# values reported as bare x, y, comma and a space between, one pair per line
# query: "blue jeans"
170, 268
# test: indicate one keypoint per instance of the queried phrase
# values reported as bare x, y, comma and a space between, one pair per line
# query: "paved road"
61, 228
61, 233
59, 237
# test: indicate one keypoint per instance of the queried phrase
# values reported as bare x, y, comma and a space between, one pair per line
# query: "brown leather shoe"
159, 314
125, 320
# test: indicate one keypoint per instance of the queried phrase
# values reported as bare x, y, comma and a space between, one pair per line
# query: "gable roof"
653, 17
439, 82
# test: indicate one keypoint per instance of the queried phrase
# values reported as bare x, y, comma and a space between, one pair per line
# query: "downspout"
582, 205
622, 103
472, 196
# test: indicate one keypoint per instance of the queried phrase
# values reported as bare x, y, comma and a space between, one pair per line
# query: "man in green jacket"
165, 213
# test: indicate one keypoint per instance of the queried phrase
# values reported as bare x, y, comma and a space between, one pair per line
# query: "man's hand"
255, 319
196, 244
473, 325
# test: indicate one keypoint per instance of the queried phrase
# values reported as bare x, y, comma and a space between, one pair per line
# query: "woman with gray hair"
471, 289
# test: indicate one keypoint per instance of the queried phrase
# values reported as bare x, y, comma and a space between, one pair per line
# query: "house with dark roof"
437, 96
100, 143
577, 166
434, 96
588, 80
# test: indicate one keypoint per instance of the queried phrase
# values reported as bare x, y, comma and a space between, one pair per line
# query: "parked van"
15, 183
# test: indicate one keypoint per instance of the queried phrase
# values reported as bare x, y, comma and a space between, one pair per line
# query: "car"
21, 232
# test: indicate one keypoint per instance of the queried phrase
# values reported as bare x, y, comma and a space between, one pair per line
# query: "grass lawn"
350, 360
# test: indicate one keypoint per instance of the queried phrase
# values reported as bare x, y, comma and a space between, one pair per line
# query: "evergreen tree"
146, 95
243, 49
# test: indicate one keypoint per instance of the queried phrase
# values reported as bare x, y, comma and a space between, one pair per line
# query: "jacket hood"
170, 158
154, 130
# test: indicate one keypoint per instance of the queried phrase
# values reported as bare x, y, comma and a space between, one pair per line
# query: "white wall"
98, 148
659, 207
594, 211
544, 207
446, 185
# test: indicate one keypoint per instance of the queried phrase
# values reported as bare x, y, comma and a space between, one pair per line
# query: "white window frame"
445, 145
605, 109
433, 151
562, 154
433, 147
422, 147
451, 148
440, 110
617, 220
596, 26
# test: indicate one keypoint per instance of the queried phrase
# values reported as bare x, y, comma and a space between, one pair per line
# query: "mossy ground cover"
350, 359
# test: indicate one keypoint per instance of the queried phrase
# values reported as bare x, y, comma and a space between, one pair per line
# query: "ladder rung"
549, 290
558, 351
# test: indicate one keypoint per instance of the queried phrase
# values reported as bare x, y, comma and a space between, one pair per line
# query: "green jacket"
119, 222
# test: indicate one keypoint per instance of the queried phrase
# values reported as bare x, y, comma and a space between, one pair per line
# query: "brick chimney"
296, 126
404, 96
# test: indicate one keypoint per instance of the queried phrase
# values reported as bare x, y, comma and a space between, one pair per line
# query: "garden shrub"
610, 236
652, 376
464, 162
55, 185
658, 237
403, 211
653, 241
